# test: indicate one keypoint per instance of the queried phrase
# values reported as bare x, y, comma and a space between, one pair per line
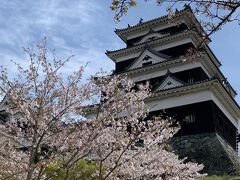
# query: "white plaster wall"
178, 100
190, 98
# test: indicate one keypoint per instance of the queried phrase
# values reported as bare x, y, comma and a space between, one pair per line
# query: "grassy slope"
220, 178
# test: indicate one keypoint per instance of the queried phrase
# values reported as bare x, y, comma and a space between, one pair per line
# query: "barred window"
189, 119
190, 80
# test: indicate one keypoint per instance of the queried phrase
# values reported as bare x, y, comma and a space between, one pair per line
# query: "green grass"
220, 178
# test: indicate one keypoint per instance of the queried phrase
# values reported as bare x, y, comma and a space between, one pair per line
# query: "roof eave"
203, 84
111, 54
121, 32
119, 35
135, 27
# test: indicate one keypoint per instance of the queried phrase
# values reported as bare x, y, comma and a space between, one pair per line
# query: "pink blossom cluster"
49, 121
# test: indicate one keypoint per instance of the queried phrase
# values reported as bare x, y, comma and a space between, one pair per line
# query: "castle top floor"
160, 27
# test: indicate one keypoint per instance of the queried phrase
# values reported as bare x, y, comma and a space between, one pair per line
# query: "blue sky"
85, 28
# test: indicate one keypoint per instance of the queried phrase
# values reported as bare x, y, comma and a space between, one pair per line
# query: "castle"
187, 84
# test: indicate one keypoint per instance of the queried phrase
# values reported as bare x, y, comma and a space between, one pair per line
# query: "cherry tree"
213, 14
54, 119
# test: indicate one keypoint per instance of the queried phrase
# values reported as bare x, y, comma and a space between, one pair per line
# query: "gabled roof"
113, 55
213, 83
151, 33
122, 33
147, 23
177, 35
157, 53
201, 56
169, 82
150, 52
152, 67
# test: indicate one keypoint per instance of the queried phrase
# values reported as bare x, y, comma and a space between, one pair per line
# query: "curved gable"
169, 82
151, 37
148, 57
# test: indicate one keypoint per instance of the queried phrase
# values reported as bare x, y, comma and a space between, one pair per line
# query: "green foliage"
83, 169
220, 178
123, 5
133, 3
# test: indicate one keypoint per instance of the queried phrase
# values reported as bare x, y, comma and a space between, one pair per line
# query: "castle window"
190, 80
189, 119
226, 127
220, 122
232, 133
146, 58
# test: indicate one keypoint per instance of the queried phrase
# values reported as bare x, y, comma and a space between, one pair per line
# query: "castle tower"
187, 84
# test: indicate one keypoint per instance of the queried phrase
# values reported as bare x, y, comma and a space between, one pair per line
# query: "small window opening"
146, 58
190, 119
190, 80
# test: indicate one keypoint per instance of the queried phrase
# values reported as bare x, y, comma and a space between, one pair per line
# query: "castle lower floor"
202, 117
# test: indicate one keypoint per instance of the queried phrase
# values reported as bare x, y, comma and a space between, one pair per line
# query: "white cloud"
68, 24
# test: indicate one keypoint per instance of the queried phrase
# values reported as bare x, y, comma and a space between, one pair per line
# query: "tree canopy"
214, 14
54, 126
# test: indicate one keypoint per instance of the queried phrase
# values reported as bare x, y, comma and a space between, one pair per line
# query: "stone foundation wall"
208, 149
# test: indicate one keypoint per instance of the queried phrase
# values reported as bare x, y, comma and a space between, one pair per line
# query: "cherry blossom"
52, 118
